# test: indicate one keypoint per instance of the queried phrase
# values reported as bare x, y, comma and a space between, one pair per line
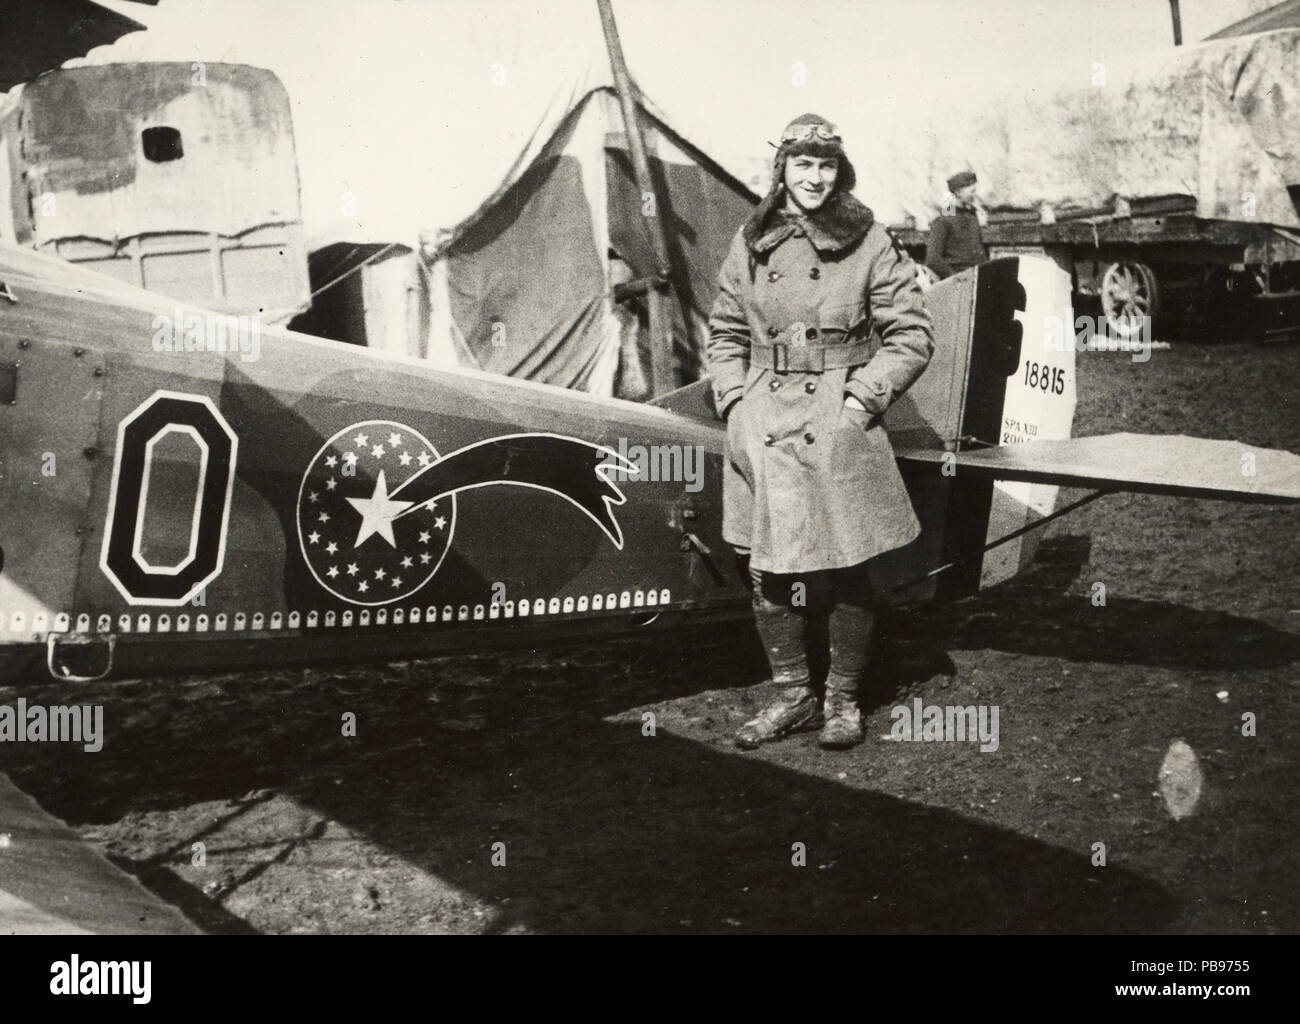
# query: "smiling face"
809, 181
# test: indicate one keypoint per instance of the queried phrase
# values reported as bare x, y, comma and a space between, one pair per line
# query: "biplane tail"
983, 439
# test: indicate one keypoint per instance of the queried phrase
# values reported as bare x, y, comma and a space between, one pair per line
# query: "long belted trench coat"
810, 483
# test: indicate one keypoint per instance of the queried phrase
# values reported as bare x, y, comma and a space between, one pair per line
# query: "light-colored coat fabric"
809, 483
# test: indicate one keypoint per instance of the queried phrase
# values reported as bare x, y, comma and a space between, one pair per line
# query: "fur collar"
840, 225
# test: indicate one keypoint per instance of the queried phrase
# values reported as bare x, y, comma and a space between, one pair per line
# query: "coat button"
808, 438
815, 273
811, 333
772, 332
773, 277
772, 385
769, 440
810, 386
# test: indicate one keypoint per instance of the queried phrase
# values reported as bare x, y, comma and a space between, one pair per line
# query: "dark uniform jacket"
955, 243
809, 483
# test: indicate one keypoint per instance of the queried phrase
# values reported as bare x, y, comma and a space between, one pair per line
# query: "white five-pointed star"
404, 459
394, 440
313, 497
324, 517
424, 536
380, 574
331, 461
424, 459
330, 484
397, 581
426, 558
377, 451
440, 523
406, 562
314, 537
362, 440
334, 571
378, 513
363, 586
349, 456
352, 569
331, 548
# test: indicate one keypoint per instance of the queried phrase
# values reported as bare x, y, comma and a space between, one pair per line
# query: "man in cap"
818, 327
955, 241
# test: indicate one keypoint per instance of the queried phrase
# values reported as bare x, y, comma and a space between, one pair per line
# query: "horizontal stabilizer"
1189, 467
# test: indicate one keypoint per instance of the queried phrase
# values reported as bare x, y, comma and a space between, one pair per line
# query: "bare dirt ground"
607, 830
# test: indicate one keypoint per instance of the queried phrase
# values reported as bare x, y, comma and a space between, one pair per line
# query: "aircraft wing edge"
1189, 467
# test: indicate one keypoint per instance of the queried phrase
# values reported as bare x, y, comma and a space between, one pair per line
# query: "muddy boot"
849, 627
796, 708
843, 726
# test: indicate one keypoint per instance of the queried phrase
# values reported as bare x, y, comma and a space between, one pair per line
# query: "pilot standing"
818, 327
956, 241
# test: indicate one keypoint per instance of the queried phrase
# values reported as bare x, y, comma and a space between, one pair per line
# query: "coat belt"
784, 358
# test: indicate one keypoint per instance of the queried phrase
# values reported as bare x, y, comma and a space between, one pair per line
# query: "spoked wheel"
1129, 294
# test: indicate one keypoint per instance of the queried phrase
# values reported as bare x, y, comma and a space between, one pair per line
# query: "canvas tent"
526, 284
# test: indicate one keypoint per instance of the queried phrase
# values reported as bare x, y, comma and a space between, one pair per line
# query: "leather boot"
849, 628
843, 726
796, 707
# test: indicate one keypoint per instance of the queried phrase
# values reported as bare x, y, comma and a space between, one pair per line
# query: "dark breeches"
784, 603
